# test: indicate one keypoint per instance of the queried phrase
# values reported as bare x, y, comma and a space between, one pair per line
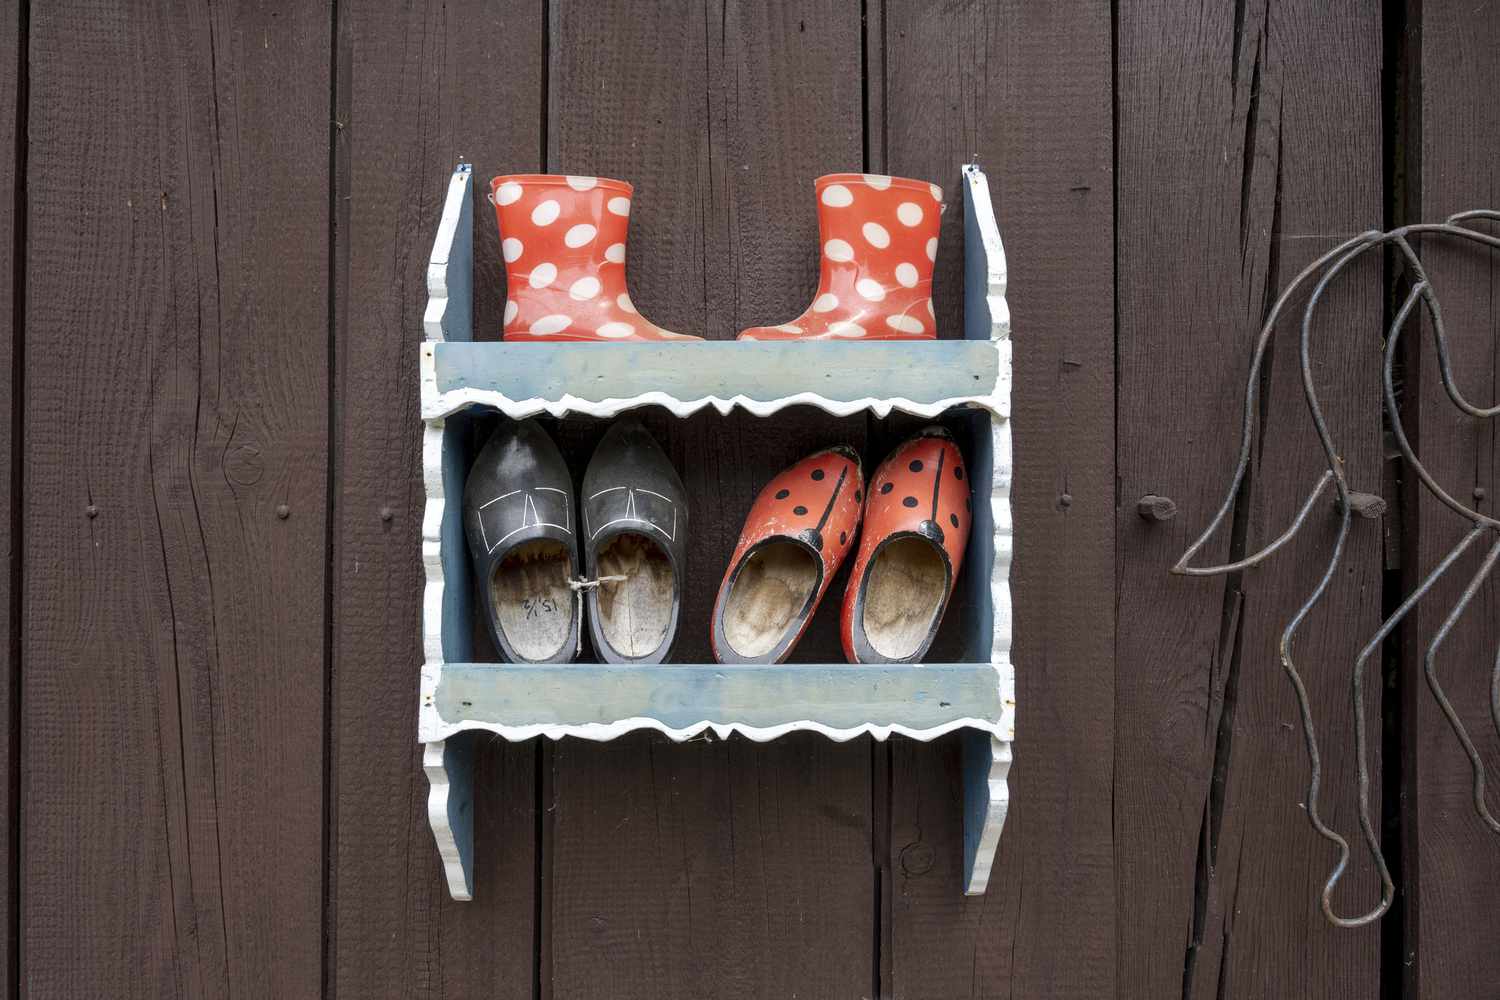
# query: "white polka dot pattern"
555, 323
837, 196
543, 275
878, 237
563, 240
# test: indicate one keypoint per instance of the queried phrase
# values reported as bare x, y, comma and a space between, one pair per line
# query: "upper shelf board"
521, 380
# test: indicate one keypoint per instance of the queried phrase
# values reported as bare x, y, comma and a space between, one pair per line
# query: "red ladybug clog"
796, 536
916, 527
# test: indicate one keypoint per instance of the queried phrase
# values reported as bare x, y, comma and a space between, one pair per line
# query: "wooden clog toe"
795, 537
518, 518
916, 527
635, 522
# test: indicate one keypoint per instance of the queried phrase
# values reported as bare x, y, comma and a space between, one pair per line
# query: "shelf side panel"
450, 269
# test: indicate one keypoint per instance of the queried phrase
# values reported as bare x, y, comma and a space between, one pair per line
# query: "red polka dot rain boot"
563, 239
879, 238
795, 538
915, 532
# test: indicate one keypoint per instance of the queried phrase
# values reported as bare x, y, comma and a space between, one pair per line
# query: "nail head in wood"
386, 514
283, 511
91, 511
1155, 508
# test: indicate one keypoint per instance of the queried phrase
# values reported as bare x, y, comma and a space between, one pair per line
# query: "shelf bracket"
450, 808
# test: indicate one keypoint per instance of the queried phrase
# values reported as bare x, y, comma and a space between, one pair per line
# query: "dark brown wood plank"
11, 60
712, 868
1024, 89
174, 521
420, 88
1452, 861
1225, 116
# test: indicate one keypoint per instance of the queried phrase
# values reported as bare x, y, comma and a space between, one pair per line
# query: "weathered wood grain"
420, 87
1026, 89
174, 520
1452, 861
1226, 191
12, 222
713, 868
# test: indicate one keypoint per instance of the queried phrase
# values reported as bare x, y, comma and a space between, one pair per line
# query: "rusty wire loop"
1331, 264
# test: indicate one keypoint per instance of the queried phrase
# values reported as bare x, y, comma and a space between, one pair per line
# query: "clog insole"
902, 598
532, 601
634, 613
771, 588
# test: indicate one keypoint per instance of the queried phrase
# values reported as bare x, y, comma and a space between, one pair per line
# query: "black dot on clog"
916, 465
909, 502
958, 472
783, 494
953, 519
886, 488
843, 537
799, 510
817, 475
858, 496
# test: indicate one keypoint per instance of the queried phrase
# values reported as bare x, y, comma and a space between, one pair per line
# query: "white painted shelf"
460, 698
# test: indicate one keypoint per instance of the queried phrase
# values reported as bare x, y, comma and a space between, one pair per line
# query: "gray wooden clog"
635, 523
519, 520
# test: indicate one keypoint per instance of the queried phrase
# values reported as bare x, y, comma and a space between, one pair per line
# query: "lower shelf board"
761, 702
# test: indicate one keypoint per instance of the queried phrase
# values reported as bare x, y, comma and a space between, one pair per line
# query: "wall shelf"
460, 698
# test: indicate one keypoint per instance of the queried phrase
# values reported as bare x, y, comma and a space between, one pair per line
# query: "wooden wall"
216, 219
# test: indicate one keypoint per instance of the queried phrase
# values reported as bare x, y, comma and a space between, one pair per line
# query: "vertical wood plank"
1024, 88
1225, 115
11, 155
713, 868
1452, 860
420, 87
175, 499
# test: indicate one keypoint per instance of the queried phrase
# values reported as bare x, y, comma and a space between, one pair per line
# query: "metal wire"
1329, 266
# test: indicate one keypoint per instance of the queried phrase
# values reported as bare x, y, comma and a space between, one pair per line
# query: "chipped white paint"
449, 314
433, 727
986, 314
447, 758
